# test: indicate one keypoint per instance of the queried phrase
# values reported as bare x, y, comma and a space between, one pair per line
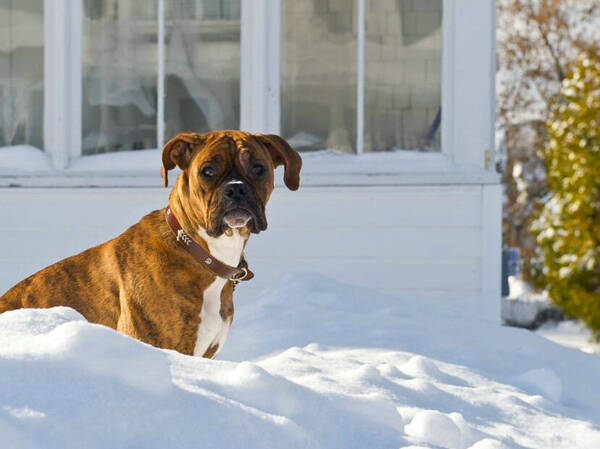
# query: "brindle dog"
146, 285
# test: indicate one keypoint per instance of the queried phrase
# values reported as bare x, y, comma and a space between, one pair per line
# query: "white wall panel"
373, 242
417, 241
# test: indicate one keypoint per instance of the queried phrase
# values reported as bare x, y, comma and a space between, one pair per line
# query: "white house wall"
411, 240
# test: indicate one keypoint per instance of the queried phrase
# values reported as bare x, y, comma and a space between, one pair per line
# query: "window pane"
119, 75
202, 68
318, 80
403, 53
21, 72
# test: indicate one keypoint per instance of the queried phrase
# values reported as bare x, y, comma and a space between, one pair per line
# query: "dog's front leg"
133, 321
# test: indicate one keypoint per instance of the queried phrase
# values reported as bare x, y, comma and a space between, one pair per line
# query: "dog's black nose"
237, 191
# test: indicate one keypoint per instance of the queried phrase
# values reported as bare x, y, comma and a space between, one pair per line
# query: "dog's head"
227, 176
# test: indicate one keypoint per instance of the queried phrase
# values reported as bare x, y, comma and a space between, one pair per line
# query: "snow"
573, 334
524, 307
24, 158
140, 160
543, 381
310, 362
431, 426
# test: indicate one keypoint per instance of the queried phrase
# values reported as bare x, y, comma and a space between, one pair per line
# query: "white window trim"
468, 74
160, 76
361, 25
260, 66
62, 80
467, 104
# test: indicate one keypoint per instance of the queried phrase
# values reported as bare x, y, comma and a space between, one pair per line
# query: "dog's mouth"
237, 218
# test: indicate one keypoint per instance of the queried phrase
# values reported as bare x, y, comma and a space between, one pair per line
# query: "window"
121, 77
221, 10
355, 76
318, 80
202, 66
21, 72
403, 76
401, 54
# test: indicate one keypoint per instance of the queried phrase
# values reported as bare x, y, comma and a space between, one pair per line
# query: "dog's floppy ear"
283, 154
178, 151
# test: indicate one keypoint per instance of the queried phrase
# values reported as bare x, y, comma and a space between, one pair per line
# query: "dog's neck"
189, 219
227, 248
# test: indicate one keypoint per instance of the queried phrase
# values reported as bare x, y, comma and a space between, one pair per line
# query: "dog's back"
140, 283
89, 282
77, 281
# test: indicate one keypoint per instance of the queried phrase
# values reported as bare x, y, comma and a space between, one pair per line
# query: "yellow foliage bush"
567, 227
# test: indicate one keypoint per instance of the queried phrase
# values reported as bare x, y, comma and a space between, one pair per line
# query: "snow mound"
431, 426
543, 381
314, 364
570, 333
62, 335
488, 443
24, 158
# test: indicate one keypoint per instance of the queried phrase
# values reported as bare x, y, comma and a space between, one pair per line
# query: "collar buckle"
238, 277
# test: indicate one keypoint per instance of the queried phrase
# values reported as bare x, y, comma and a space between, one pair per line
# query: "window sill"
324, 168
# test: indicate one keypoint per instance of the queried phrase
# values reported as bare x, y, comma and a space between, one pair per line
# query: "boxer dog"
168, 280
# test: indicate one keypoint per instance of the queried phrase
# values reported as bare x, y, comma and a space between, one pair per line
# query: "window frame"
468, 30
62, 80
460, 145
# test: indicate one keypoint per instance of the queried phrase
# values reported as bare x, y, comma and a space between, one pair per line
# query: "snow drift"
313, 363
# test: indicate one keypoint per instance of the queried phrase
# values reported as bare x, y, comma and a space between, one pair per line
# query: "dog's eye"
258, 170
208, 171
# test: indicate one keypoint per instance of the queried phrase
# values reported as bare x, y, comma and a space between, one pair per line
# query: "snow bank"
139, 160
570, 333
24, 158
433, 427
62, 335
314, 363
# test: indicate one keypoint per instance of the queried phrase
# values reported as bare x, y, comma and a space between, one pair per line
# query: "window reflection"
119, 75
202, 70
318, 78
403, 45
202, 66
403, 53
21, 72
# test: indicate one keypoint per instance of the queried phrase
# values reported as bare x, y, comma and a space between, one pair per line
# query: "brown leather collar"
241, 273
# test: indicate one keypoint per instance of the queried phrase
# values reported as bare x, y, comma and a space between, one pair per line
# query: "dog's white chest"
213, 329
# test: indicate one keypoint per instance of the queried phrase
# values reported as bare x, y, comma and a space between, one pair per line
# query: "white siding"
410, 241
